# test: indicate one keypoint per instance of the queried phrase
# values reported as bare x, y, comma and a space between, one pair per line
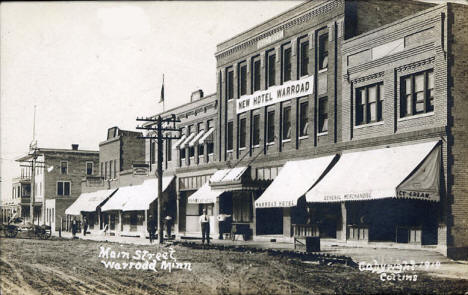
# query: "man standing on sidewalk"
151, 228
85, 225
205, 227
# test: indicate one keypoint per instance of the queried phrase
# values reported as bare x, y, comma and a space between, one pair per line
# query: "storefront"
127, 212
282, 209
89, 205
386, 195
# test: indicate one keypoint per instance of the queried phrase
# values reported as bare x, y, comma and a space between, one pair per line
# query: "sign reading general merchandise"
275, 94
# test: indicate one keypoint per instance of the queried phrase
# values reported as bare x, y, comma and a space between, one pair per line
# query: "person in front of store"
85, 225
222, 222
151, 228
168, 226
74, 227
205, 227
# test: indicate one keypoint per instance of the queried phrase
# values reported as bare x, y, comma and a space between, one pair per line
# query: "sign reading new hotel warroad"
274, 94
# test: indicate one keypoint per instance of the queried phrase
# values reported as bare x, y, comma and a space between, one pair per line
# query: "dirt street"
56, 266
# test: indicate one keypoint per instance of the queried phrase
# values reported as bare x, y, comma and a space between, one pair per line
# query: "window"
286, 123
89, 168
417, 94
201, 150
303, 118
286, 62
64, 167
242, 132
242, 83
110, 168
323, 115
229, 83
209, 140
105, 170
270, 69
323, 51
182, 154
256, 130
255, 74
102, 169
152, 151
270, 126
63, 188
303, 57
169, 149
230, 135
115, 169
369, 101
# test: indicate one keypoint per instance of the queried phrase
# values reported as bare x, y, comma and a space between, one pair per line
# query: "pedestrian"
205, 227
85, 225
74, 227
168, 226
151, 228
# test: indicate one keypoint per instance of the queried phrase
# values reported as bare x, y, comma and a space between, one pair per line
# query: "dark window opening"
271, 73
242, 132
229, 83
417, 94
369, 104
286, 63
242, 79
323, 51
323, 115
286, 124
303, 118
256, 74
271, 127
303, 58
256, 130
230, 135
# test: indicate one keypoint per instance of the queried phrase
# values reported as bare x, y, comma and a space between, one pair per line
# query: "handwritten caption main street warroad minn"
142, 260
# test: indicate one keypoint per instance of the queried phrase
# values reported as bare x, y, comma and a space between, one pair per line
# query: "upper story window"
256, 72
323, 115
417, 94
89, 168
286, 62
110, 169
242, 132
369, 102
242, 83
271, 68
323, 51
286, 123
230, 135
169, 149
102, 169
63, 188
303, 57
270, 126
106, 167
63, 167
303, 118
256, 130
209, 141
229, 83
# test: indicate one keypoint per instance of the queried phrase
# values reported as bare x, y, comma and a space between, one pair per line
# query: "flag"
162, 91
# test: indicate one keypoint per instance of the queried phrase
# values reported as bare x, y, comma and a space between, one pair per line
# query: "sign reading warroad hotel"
274, 94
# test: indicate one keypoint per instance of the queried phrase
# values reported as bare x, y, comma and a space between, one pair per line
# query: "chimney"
75, 147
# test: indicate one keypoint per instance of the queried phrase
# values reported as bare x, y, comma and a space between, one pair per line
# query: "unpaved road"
30, 266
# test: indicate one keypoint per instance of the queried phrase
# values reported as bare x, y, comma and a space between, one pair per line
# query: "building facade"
57, 182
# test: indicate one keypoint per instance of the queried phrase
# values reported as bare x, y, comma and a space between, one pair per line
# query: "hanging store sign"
275, 94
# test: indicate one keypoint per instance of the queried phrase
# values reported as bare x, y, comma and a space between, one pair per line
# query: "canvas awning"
410, 172
196, 138
136, 197
182, 139
293, 181
204, 137
88, 202
187, 140
228, 175
204, 195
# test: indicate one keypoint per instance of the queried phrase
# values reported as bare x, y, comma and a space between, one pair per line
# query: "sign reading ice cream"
275, 94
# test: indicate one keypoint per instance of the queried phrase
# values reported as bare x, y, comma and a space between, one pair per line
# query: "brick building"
330, 89
57, 184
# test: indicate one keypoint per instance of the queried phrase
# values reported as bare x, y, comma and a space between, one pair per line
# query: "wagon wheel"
46, 233
11, 231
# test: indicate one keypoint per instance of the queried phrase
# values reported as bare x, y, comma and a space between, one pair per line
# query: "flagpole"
163, 97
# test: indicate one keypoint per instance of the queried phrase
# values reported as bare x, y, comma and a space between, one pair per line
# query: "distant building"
58, 177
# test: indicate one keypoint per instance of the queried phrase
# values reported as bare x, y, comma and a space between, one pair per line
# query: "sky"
88, 66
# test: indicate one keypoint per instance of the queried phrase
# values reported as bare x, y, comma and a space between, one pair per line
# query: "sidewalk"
448, 268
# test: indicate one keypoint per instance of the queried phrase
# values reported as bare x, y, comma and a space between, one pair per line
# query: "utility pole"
160, 137
33, 164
